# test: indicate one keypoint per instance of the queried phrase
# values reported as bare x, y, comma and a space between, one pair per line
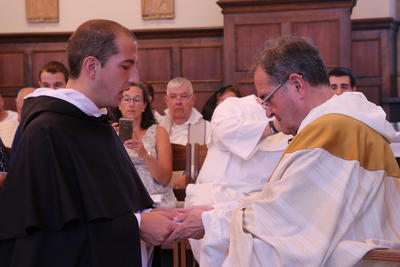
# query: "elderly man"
71, 195
182, 121
342, 80
333, 195
53, 75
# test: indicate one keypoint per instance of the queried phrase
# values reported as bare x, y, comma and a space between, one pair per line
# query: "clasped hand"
164, 225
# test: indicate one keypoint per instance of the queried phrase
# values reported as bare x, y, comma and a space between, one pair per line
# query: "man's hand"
190, 224
170, 213
155, 227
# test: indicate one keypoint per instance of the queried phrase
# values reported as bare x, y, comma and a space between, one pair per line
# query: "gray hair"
178, 82
292, 54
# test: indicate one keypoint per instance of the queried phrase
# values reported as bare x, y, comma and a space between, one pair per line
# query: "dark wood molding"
249, 6
374, 24
141, 35
179, 33
33, 37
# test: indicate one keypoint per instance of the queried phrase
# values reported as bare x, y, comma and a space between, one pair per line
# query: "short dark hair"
342, 71
292, 54
93, 38
211, 104
54, 67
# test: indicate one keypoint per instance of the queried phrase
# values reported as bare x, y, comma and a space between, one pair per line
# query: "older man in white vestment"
334, 194
244, 150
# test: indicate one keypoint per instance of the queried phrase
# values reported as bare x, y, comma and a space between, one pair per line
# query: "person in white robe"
242, 154
334, 194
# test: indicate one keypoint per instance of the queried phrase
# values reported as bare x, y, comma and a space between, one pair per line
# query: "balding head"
19, 101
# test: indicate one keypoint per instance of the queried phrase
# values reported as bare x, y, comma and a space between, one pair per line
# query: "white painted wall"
374, 9
188, 14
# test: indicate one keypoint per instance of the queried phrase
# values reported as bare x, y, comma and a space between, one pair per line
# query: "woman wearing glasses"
149, 148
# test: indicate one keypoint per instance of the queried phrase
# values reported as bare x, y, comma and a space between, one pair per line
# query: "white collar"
73, 97
195, 117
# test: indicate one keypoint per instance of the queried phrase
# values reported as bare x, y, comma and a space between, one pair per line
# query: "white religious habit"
334, 196
238, 163
194, 130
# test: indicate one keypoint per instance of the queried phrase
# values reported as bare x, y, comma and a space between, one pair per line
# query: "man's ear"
300, 85
89, 66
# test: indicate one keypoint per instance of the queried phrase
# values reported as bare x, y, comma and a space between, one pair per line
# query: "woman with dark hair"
149, 148
217, 98
150, 91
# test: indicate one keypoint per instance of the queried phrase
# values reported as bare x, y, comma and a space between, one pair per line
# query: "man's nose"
133, 75
269, 113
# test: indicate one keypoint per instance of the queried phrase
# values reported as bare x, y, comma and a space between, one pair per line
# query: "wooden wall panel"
11, 70
248, 24
249, 38
155, 64
365, 59
202, 64
163, 54
327, 43
374, 51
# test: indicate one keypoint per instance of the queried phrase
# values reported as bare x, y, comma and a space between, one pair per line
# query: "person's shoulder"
12, 115
161, 133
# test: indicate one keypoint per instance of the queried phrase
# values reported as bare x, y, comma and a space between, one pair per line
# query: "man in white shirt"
182, 121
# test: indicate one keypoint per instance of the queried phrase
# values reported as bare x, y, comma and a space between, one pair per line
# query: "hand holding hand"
170, 213
155, 227
191, 225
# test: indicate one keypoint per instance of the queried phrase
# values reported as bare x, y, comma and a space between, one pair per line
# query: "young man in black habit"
71, 195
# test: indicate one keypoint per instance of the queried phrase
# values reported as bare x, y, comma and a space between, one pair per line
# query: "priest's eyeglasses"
266, 101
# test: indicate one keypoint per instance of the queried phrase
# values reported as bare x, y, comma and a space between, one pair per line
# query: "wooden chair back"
200, 153
182, 161
383, 255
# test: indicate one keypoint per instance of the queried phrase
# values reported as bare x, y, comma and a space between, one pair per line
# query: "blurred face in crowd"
52, 80
180, 102
225, 96
340, 84
19, 101
132, 105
